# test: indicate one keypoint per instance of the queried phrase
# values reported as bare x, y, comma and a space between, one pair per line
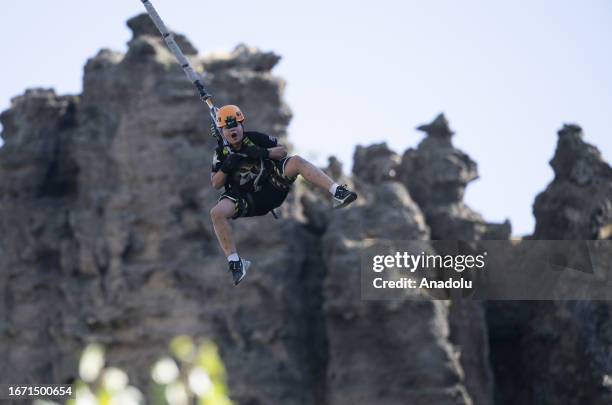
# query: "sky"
507, 75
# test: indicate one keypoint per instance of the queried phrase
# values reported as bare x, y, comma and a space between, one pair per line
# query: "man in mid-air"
257, 175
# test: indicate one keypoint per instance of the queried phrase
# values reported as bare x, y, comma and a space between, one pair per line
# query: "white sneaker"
239, 268
343, 196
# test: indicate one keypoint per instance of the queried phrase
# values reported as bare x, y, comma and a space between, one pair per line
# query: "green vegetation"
193, 374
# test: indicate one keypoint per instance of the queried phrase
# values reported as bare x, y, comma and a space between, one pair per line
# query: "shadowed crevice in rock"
61, 177
316, 353
470, 335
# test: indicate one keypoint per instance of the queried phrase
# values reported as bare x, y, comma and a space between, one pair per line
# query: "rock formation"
561, 211
105, 236
375, 163
436, 174
557, 352
420, 361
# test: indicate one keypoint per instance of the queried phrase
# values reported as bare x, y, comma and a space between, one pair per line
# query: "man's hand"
231, 163
256, 152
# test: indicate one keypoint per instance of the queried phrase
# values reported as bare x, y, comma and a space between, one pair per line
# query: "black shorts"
263, 201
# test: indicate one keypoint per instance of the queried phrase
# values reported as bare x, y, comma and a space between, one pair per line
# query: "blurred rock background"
105, 237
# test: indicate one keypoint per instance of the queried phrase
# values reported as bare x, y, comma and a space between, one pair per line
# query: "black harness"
265, 165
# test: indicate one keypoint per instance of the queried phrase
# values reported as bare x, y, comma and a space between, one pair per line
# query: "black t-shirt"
244, 177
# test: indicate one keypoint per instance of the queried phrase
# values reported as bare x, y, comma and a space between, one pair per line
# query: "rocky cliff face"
558, 352
105, 236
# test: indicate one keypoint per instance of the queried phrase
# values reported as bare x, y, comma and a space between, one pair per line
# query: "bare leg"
298, 165
220, 214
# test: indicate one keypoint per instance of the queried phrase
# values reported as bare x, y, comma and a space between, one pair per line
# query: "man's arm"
218, 179
278, 152
221, 170
268, 144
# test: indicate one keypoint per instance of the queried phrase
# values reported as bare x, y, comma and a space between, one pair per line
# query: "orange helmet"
229, 115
